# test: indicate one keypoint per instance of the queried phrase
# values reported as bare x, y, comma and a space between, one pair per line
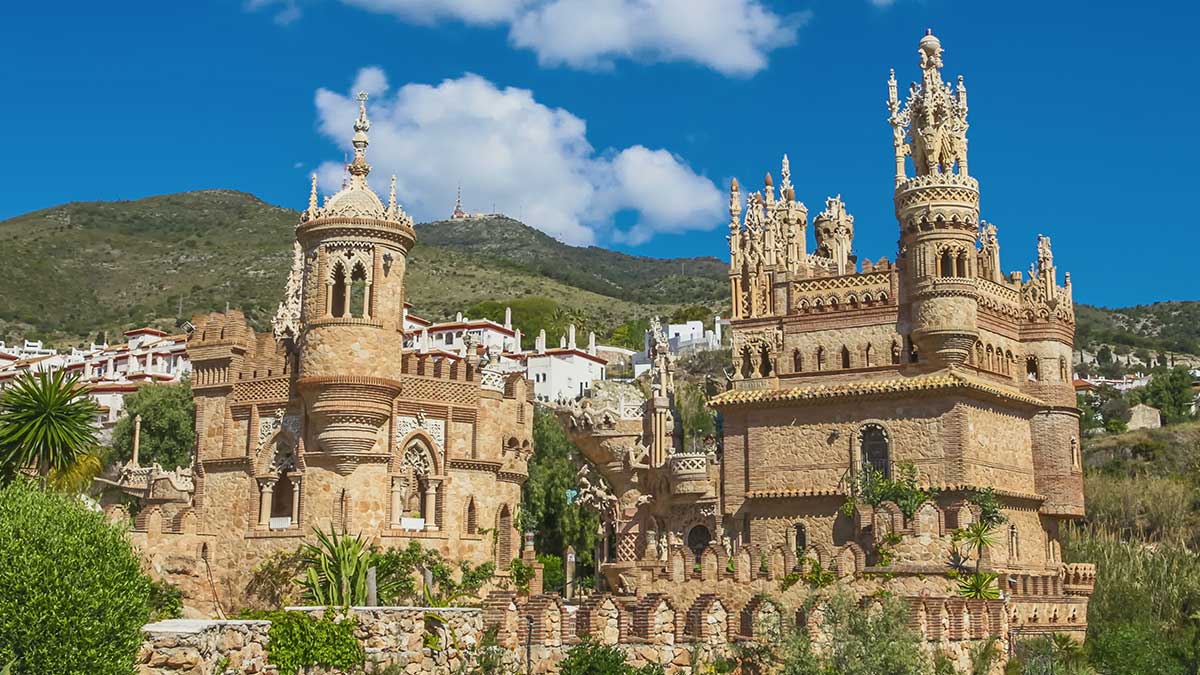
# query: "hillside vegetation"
71, 272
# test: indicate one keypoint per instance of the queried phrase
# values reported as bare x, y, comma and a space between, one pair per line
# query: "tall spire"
932, 125
785, 184
313, 206
359, 167
392, 198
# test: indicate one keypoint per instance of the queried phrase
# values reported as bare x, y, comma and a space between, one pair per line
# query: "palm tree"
979, 586
46, 426
977, 536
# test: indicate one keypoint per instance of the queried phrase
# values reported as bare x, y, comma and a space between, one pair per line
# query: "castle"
330, 422
935, 366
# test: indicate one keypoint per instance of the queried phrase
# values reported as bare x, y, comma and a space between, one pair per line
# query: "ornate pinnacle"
312, 198
359, 166
392, 199
785, 172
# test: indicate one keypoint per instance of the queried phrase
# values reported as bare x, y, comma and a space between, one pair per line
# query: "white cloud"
733, 37
531, 161
730, 36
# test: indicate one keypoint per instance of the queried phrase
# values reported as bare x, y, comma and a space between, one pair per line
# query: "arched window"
961, 269
797, 361
281, 503
913, 356
895, 353
358, 291
867, 355
1062, 369
1031, 369
337, 300
845, 356
801, 541
876, 451
1014, 544
820, 358
698, 539
471, 521
747, 363
764, 367
947, 264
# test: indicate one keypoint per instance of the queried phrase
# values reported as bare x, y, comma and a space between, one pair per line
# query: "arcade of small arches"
757, 358
851, 301
954, 261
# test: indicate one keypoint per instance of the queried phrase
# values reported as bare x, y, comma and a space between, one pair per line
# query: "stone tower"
938, 210
352, 261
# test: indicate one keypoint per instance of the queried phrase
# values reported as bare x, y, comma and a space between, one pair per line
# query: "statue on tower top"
932, 124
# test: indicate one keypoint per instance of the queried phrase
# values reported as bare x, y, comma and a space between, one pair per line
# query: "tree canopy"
168, 432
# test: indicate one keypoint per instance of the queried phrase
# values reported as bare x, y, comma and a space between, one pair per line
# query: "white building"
558, 374
565, 373
683, 339
452, 336
111, 372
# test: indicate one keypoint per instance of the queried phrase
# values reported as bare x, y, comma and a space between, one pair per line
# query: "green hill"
70, 272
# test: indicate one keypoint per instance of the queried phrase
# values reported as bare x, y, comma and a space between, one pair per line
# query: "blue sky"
620, 122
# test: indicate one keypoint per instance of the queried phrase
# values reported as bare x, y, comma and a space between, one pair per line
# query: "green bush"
73, 598
298, 640
868, 642
166, 601
589, 658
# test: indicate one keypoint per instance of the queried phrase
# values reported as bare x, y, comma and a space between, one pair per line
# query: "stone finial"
359, 166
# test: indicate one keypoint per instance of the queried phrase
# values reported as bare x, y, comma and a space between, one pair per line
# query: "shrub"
589, 658
298, 640
273, 584
869, 642
165, 602
73, 598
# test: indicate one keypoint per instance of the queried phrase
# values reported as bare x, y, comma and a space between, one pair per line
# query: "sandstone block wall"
194, 647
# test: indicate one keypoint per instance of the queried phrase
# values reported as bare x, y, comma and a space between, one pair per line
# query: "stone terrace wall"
199, 647
647, 628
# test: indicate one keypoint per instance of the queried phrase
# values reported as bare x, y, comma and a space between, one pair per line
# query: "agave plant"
336, 574
46, 425
979, 586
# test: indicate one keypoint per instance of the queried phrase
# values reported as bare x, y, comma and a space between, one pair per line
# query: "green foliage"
273, 583
529, 315
868, 642
590, 658
989, 507
45, 424
977, 536
168, 425
521, 575
1056, 654
553, 575
1154, 509
979, 586
335, 570
1170, 392
692, 313
399, 569
545, 509
73, 598
299, 641
630, 335
165, 601
698, 420
1144, 608
814, 576
873, 488
1173, 326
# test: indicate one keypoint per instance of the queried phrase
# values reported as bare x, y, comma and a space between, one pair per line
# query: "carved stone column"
266, 491
431, 524
296, 483
397, 501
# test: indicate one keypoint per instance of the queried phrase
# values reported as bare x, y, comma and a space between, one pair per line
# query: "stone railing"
689, 466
